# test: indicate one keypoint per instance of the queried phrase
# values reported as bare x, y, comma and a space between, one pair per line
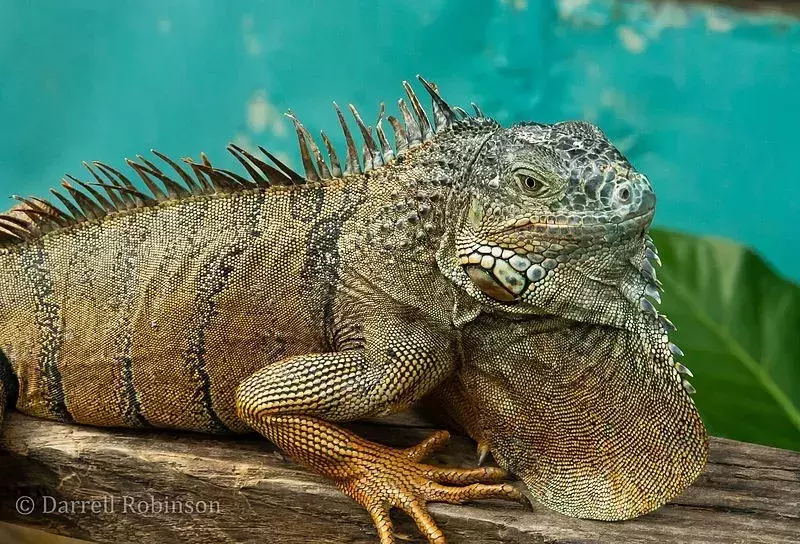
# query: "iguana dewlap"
507, 271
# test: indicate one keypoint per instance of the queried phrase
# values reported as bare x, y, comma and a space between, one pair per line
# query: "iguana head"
554, 222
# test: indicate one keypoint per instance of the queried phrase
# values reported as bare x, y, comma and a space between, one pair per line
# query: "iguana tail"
8, 385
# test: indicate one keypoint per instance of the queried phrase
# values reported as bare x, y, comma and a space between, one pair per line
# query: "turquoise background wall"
703, 99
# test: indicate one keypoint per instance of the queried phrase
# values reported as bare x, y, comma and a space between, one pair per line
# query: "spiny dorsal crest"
112, 191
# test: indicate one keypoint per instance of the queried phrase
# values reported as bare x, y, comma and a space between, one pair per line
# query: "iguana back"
96, 315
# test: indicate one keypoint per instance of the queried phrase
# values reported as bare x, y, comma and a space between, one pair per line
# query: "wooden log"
179, 487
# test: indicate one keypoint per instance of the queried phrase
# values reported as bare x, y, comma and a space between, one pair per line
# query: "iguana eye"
531, 183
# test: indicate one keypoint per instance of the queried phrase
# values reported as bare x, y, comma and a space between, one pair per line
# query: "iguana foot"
288, 402
380, 478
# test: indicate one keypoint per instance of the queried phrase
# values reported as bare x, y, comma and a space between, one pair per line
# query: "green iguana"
505, 271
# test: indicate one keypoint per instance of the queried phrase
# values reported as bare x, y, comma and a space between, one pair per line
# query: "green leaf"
739, 326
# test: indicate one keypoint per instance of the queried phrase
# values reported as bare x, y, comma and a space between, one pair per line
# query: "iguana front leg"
293, 401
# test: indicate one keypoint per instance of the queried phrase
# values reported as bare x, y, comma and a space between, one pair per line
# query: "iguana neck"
604, 405
407, 215
412, 198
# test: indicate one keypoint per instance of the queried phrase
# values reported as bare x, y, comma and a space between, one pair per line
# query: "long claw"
526, 498
483, 451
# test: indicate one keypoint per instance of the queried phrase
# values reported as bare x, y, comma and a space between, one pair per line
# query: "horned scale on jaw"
505, 270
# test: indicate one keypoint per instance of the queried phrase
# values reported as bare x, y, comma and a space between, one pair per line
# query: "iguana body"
285, 304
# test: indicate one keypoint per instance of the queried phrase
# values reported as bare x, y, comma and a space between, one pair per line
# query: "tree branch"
168, 487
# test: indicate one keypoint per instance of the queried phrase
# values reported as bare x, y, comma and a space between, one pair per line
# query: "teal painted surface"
702, 99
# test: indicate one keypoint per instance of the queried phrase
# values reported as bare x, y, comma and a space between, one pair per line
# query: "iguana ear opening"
593, 419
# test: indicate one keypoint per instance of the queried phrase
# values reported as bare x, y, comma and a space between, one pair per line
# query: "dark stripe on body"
9, 385
253, 225
213, 280
132, 413
321, 270
124, 273
47, 315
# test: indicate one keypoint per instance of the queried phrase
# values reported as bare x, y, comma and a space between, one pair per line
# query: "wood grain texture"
748, 493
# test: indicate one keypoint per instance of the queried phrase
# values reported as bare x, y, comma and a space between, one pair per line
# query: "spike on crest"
107, 206
324, 172
128, 200
400, 138
45, 217
118, 200
76, 213
45, 205
351, 163
308, 166
425, 125
219, 184
443, 115
143, 174
174, 190
293, 177
372, 157
220, 179
109, 172
89, 208
266, 174
336, 168
187, 179
125, 191
208, 186
16, 228
386, 149
13, 220
224, 180
243, 182
260, 178
412, 126
10, 232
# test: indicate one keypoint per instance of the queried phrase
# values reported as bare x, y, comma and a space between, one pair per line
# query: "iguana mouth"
527, 249
577, 226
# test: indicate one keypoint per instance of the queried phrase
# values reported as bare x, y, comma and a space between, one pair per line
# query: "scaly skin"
502, 270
